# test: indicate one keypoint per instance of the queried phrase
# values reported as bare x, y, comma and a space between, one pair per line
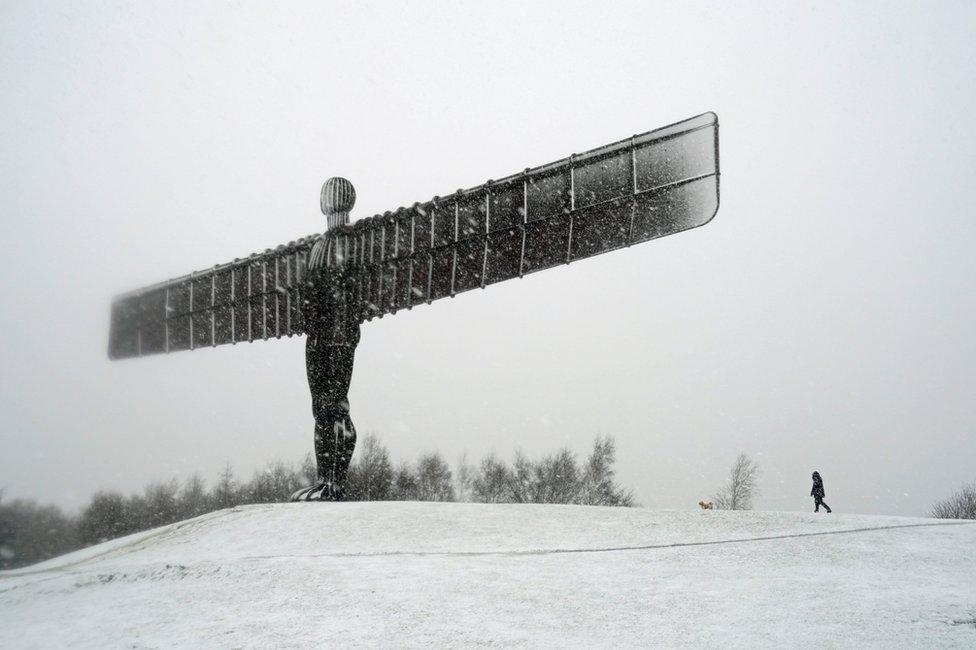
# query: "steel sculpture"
324, 286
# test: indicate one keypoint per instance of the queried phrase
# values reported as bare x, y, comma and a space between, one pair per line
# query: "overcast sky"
824, 320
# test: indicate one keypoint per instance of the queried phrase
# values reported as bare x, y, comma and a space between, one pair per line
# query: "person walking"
818, 493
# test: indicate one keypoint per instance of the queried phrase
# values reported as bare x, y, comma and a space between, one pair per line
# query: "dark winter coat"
818, 488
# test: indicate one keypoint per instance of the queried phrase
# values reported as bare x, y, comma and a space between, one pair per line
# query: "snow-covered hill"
408, 574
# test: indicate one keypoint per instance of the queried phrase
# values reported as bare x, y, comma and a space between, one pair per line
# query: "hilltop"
403, 573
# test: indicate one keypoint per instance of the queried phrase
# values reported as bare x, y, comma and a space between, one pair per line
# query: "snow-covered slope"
407, 574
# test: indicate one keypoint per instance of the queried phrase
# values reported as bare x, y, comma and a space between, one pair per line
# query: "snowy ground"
410, 574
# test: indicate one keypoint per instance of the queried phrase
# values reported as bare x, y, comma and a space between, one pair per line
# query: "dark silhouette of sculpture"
647, 186
332, 330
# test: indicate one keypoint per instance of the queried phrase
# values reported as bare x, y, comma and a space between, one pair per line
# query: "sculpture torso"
331, 315
332, 326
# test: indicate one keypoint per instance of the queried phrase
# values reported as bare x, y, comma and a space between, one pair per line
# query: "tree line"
30, 532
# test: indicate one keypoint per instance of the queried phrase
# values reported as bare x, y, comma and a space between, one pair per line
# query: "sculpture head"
337, 199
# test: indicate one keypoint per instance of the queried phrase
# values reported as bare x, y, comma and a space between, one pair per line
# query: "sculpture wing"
635, 190
259, 297
632, 191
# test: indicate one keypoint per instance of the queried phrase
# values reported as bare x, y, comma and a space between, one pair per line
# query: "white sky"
824, 320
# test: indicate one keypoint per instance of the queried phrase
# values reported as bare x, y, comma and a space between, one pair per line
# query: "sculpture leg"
329, 374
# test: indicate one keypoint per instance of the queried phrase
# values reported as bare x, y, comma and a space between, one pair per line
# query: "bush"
960, 505
556, 478
105, 518
30, 533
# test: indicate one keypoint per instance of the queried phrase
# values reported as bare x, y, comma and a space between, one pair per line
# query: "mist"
823, 321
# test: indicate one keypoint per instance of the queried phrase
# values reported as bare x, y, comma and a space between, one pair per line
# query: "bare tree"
434, 482
742, 487
274, 483
160, 503
521, 479
405, 484
959, 505
464, 475
557, 478
309, 472
225, 492
371, 475
193, 499
598, 487
492, 482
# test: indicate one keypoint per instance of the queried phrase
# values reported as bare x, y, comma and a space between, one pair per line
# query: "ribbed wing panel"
259, 297
648, 186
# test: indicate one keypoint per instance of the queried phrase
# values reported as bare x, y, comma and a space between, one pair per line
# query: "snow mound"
410, 574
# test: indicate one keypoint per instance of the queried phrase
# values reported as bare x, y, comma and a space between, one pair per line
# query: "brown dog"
705, 505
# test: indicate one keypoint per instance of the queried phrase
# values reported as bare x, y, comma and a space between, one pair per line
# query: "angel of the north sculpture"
325, 286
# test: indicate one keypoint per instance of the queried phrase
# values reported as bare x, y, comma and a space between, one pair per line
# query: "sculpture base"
321, 491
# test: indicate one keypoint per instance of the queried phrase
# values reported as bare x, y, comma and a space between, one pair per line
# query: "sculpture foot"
321, 491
